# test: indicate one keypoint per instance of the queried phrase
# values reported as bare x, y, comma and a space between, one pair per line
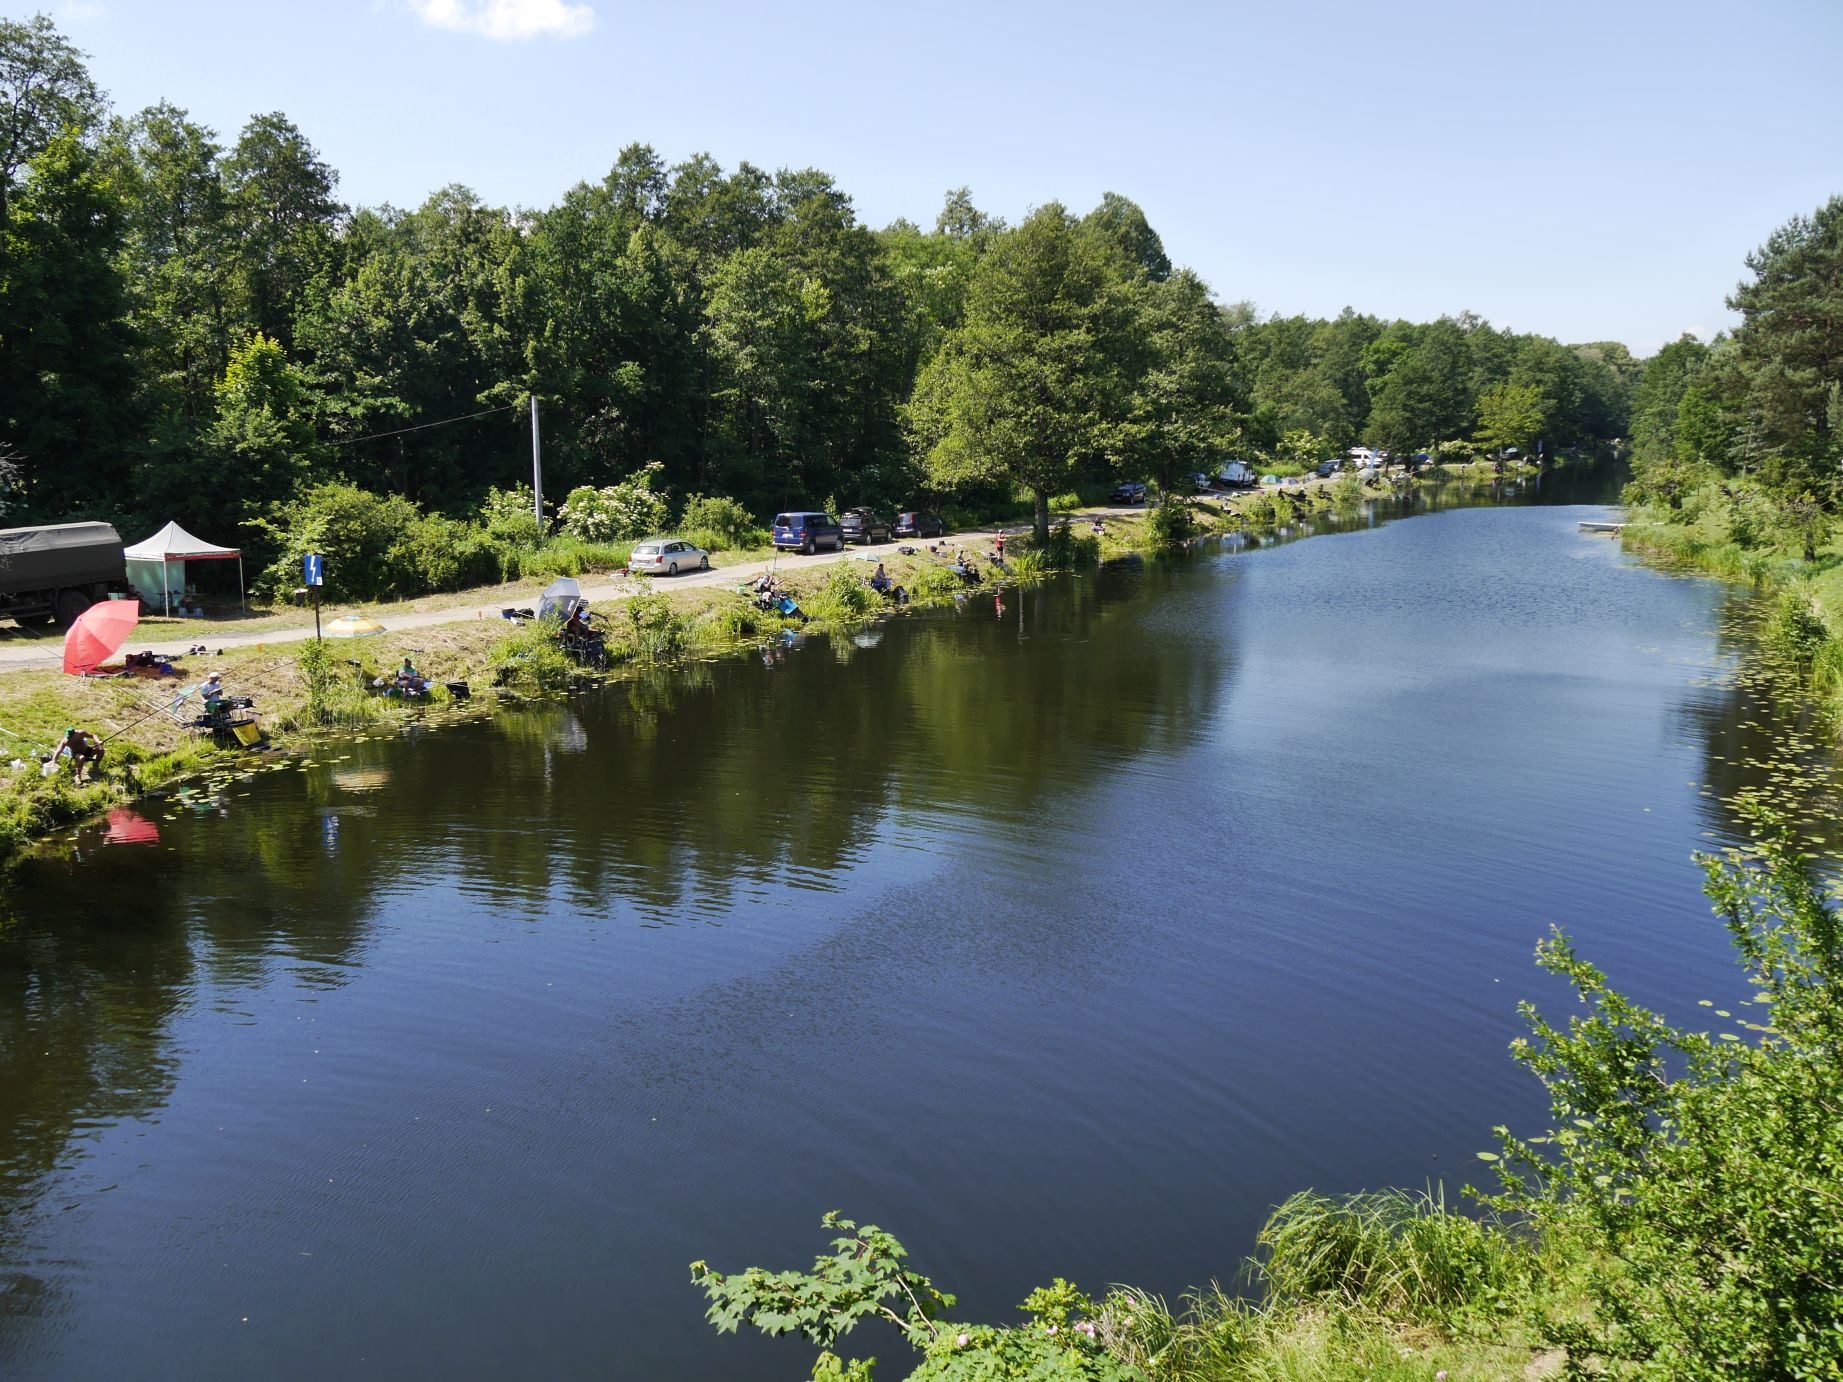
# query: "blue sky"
1587, 170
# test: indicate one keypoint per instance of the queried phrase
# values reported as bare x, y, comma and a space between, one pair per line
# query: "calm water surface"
1062, 939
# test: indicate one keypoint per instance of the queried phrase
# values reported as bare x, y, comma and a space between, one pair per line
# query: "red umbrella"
128, 828
99, 634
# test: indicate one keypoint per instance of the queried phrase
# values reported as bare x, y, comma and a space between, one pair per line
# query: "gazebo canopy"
157, 567
174, 543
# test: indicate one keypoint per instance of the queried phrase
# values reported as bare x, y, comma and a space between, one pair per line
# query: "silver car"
667, 558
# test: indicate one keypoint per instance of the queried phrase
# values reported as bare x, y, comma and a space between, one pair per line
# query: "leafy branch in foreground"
867, 1276
1702, 1175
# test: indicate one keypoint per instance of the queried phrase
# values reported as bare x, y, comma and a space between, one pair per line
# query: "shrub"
724, 625
935, 582
1065, 550
355, 530
630, 509
1171, 523
530, 660
1347, 490
718, 523
334, 692
845, 595
1795, 628
509, 517
651, 631
1699, 1170
1400, 1253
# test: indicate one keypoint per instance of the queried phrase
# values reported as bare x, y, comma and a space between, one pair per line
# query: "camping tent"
157, 567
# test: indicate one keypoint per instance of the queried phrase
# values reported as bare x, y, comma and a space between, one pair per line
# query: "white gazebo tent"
157, 567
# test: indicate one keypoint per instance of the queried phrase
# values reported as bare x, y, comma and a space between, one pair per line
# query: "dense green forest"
1763, 404
198, 329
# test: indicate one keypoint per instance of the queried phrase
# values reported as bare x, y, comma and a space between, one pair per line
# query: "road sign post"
313, 576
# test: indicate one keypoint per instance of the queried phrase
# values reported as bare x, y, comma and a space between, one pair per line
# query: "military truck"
59, 571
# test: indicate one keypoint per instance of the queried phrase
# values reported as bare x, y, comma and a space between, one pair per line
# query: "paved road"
48, 652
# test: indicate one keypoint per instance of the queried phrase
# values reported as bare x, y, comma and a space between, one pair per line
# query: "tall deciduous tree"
1030, 387
1510, 415
45, 92
66, 353
281, 203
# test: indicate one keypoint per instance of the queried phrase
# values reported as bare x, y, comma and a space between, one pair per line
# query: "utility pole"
537, 468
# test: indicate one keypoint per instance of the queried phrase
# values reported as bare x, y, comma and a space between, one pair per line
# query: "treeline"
198, 330
1761, 407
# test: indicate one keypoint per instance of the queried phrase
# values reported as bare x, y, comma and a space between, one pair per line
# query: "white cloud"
507, 19
81, 10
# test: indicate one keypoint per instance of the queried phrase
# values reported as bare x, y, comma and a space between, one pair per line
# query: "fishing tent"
157, 567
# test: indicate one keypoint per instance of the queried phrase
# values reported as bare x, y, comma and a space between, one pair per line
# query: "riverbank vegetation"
1737, 445
1678, 1219
197, 328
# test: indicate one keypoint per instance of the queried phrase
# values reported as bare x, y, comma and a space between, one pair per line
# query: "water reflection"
1188, 880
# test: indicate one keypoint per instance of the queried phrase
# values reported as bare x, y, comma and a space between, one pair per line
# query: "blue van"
808, 532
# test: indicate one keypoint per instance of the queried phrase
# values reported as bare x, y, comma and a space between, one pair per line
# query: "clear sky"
1587, 170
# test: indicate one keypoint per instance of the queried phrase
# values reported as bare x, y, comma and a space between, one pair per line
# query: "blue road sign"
312, 572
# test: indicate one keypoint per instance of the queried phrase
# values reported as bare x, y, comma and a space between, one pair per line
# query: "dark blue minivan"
808, 532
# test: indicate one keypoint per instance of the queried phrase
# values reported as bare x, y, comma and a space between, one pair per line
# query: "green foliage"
1795, 627
510, 517
356, 531
1171, 522
724, 626
1510, 415
867, 1276
630, 509
649, 630
718, 523
845, 595
1347, 490
1698, 1169
1065, 549
531, 661
1402, 1254
334, 691
1028, 388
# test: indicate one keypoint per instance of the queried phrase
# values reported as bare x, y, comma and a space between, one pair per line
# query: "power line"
424, 426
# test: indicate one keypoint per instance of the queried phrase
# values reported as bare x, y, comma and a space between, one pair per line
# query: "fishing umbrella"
353, 626
98, 635
128, 828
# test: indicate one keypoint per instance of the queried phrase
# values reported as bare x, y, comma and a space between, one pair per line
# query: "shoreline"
684, 621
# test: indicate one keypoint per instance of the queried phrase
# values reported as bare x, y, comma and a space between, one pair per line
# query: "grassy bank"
304, 695
307, 692
1736, 532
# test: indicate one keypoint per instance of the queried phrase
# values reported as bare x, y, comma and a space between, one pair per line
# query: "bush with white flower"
615, 513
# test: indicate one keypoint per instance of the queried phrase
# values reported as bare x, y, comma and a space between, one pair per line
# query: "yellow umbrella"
353, 626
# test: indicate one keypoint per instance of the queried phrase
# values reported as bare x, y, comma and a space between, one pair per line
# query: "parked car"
1127, 492
1200, 483
863, 525
1326, 469
667, 558
1237, 475
919, 523
808, 531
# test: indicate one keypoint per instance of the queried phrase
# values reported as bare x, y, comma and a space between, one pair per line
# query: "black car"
1327, 469
920, 523
1127, 492
863, 525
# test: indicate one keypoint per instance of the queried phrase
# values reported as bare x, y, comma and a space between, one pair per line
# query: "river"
1062, 938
